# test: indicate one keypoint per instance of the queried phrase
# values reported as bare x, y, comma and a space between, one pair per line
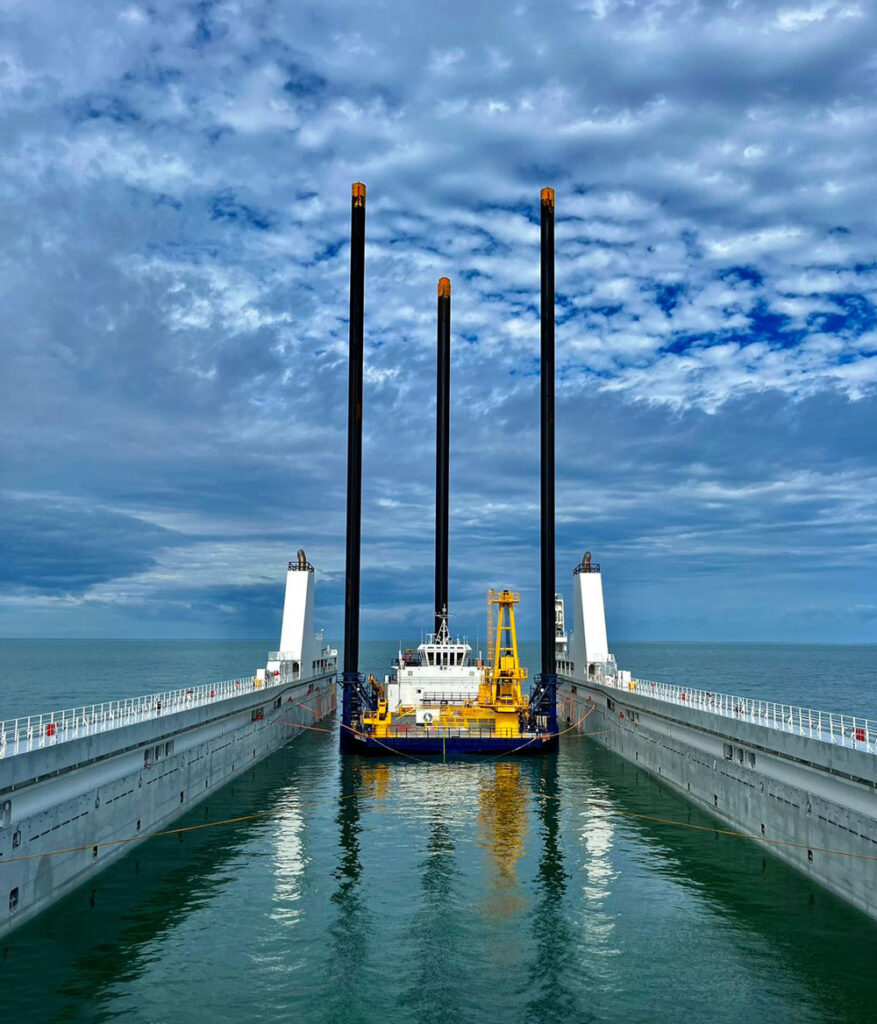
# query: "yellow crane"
501, 689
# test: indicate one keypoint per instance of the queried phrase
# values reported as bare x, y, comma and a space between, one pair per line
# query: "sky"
174, 213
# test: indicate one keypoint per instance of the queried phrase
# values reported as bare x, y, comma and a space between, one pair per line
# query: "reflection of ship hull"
452, 744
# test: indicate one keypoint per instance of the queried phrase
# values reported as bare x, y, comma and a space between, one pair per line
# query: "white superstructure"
587, 653
439, 672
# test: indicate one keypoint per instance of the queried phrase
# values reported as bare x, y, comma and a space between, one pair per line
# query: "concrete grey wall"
63, 802
798, 796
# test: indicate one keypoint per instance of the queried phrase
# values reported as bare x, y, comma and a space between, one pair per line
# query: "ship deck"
847, 731
36, 732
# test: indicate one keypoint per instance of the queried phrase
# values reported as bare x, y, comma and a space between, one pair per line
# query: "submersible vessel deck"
79, 788
801, 783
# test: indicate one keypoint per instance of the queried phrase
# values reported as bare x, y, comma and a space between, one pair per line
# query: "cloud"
64, 548
174, 285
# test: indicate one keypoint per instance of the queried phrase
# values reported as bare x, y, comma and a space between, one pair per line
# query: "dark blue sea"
495, 891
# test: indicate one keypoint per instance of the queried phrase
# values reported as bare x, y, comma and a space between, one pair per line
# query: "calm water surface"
511, 891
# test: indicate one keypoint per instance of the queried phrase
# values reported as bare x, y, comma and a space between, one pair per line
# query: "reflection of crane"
502, 813
501, 689
503, 798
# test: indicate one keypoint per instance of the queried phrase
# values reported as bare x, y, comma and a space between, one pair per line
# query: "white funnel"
589, 644
297, 641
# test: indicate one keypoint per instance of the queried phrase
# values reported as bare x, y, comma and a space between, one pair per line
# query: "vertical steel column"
549, 662
354, 450
442, 446
548, 682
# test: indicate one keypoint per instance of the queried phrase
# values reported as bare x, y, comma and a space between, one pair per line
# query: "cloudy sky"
174, 194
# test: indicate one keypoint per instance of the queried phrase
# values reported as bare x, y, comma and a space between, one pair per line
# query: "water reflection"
104, 935
349, 932
595, 828
502, 830
289, 861
555, 982
788, 933
437, 930
485, 938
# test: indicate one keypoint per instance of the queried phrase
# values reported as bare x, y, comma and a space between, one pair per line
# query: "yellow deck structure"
500, 704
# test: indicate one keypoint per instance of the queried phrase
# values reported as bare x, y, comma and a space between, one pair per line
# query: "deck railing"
841, 730
19, 735
439, 697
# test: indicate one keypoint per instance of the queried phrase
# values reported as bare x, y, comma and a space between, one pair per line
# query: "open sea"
481, 891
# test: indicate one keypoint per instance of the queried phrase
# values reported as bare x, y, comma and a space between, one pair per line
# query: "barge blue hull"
449, 745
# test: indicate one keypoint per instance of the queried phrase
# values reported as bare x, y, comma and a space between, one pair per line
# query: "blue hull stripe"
452, 745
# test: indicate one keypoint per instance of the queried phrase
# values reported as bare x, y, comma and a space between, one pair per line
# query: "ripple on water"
484, 891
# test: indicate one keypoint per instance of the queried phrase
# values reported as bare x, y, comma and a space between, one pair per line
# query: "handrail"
20, 735
283, 656
446, 732
437, 697
842, 730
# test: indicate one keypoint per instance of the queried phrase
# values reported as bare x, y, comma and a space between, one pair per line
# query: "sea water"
535, 889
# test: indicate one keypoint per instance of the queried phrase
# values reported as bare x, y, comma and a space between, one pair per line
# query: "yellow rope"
172, 831
710, 828
609, 808
481, 761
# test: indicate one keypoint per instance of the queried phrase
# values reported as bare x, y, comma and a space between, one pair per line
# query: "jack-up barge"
437, 701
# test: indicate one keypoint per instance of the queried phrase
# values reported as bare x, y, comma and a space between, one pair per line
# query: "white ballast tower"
300, 651
589, 647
